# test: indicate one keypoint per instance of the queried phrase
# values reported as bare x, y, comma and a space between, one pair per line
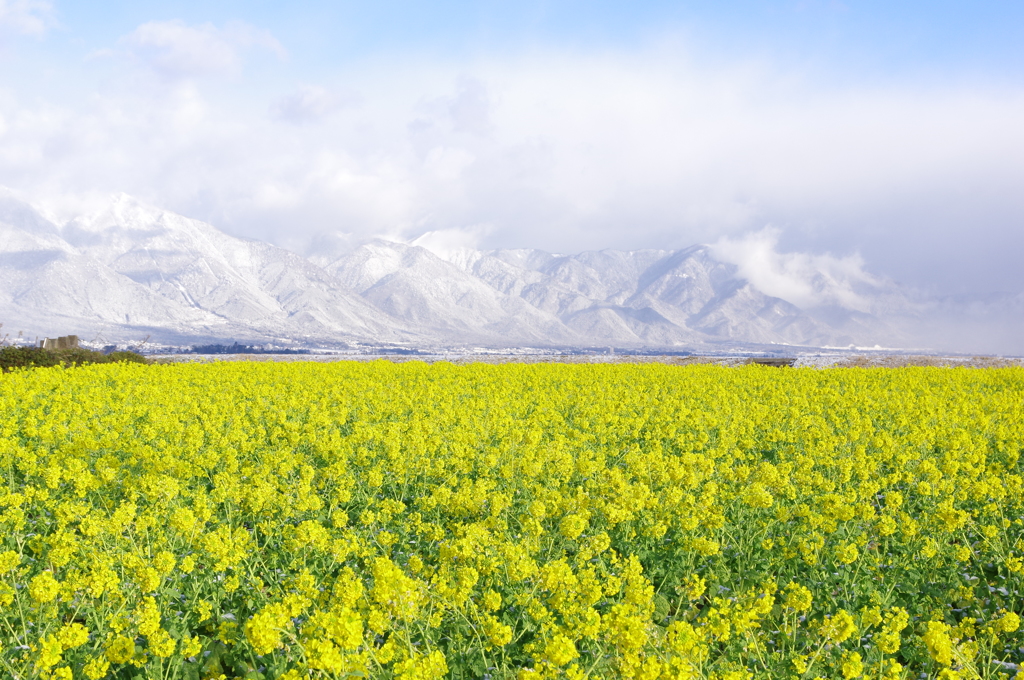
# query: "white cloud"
470, 108
804, 279
449, 244
175, 50
558, 151
309, 104
30, 17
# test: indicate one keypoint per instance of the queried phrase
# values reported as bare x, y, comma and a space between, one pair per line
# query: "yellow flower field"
272, 520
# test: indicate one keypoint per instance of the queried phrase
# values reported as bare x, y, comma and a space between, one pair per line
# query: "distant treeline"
241, 349
13, 357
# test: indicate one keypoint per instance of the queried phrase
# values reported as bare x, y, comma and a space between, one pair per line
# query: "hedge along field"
533, 521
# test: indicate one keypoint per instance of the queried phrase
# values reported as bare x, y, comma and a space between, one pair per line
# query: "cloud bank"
804, 279
28, 17
556, 149
174, 49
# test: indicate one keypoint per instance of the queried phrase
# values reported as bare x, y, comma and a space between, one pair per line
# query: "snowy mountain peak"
131, 269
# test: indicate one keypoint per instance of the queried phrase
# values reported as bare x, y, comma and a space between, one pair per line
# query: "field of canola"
518, 521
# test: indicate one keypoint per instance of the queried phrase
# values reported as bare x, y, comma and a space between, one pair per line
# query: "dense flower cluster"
517, 521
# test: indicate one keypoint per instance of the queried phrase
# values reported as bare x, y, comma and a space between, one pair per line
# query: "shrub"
36, 357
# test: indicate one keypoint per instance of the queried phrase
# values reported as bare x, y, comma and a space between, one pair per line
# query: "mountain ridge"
131, 268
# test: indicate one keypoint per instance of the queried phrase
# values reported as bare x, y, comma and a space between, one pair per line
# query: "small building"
63, 342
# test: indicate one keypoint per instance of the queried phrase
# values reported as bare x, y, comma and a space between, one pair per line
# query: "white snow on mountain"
133, 270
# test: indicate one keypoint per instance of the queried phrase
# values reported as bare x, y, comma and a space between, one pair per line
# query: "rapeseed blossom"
547, 521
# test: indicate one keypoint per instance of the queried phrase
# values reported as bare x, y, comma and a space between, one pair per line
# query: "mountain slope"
132, 269
659, 298
414, 285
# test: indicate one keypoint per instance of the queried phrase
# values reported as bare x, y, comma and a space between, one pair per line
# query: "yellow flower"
1008, 622
73, 635
560, 650
375, 478
147, 616
694, 587
44, 587
893, 670
838, 627
497, 632
705, 547
162, 644
886, 526
757, 496
263, 631
936, 638
120, 650
491, 601
149, 579
798, 597
323, 655
871, 616
164, 562
847, 553
422, 667
573, 525
386, 652
227, 632
49, 652
96, 668
8, 561
191, 646
852, 666
204, 610
357, 516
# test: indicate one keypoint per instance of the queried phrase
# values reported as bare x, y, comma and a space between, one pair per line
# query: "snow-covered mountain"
132, 270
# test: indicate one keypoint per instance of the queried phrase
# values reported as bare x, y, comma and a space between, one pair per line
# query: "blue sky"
852, 40
886, 129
